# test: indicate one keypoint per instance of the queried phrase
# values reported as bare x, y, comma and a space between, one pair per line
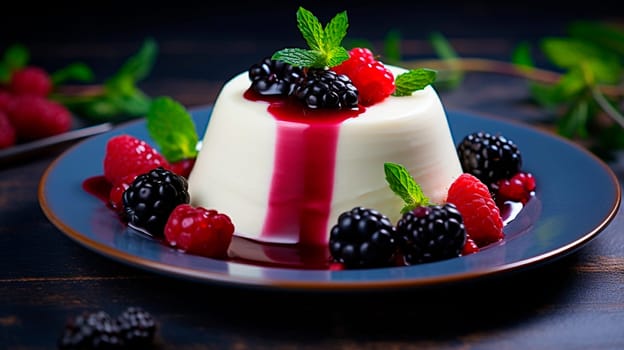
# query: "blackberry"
137, 327
431, 233
489, 157
361, 238
151, 198
271, 77
327, 89
91, 330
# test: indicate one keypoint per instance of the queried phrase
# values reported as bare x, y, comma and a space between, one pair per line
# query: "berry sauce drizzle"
300, 198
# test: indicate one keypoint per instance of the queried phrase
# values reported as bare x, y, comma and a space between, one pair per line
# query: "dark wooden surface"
573, 303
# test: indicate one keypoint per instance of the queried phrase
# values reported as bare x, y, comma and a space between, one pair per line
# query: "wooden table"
573, 303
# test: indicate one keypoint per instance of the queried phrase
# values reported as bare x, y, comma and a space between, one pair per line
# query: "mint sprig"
172, 128
404, 186
325, 48
413, 80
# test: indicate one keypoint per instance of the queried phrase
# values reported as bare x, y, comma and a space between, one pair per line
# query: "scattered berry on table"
31, 80
474, 201
372, 79
489, 157
134, 328
126, 155
431, 233
91, 330
363, 238
7, 132
199, 231
327, 89
137, 327
271, 77
151, 198
35, 117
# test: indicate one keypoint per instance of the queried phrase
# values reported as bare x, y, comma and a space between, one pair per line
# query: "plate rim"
198, 275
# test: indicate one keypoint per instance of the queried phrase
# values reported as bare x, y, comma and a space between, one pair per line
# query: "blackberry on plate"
91, 330
489, 157
137, 327
272, 77
322, 88
151, 198
431, 233
362, 238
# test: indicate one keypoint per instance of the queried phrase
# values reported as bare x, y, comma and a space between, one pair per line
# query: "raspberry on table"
31, 80
35, 117
199, 231
431, 233
363, 238
7, 132
474, 201
151, 198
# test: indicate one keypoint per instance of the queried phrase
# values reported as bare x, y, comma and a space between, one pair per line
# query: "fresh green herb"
404, 186
413, 80
119, 97
325, 48
172, 128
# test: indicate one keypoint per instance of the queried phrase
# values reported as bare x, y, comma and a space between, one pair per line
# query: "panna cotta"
284, 173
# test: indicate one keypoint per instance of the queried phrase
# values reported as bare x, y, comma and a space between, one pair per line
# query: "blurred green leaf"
76, 71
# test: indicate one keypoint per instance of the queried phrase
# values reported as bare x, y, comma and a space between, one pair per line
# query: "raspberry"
183, 167
482, 217
126, 155
31, 80
470, 246
518, 188
115, 197
150, 199
372, 79
6, 98
431, 233
7, 132
271, 77
35, 117
200, 231
361, 238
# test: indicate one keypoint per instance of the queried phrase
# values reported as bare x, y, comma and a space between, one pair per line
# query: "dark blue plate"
577, 196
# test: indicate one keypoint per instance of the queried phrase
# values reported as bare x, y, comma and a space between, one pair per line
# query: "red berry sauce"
306, 146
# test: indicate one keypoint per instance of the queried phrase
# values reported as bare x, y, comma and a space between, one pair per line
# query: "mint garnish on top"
172, 128
404, 186
325, 43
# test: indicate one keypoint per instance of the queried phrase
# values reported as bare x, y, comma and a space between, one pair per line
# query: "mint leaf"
15, 56
413, 80
299, 57
335, 31
172, 128
75, 71
324, 43
139, 65
404, 186
310, 28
